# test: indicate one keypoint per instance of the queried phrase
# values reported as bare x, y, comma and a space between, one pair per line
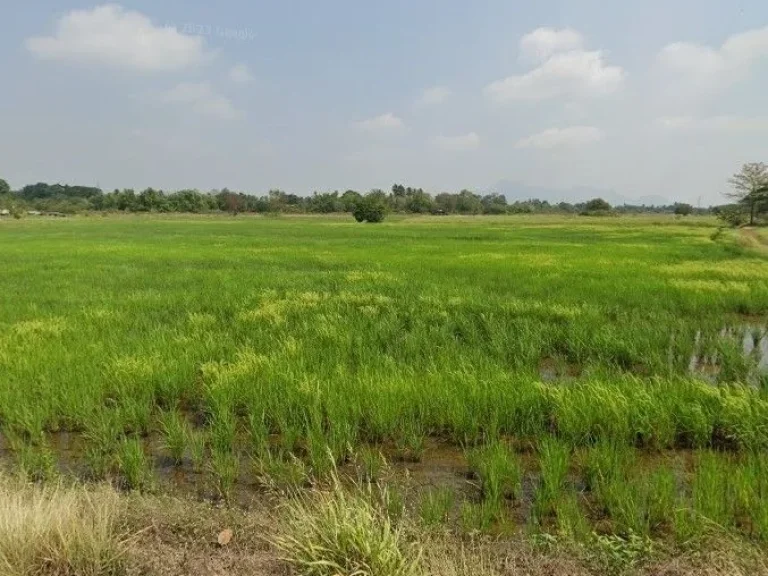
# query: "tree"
597, 205
468, 203
349, 200
370, 208
732, 215
750, 188
4, 188
683, 209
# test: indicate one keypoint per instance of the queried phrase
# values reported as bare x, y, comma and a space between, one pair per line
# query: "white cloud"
201, 98
539, 45
704, 64
241, 74
573, 74
113, 36
720, 124
434, 95
386, 123
460, 143
556, 137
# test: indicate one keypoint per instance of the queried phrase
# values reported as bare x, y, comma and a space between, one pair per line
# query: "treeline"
400, 199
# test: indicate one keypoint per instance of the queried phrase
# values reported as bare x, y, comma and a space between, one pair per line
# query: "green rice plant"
104, 431
196, 440
749, 485
409, 442
370, 464
99, 463
325, 533
479, 517
175, 431
37, 463
392, 499
572, 523
225, 468
712, 495
499, 471
223, 431
258, 432
280, 472
289, 435
661, 496
554, 456
435, 507
624, 501
132, 464
606, 462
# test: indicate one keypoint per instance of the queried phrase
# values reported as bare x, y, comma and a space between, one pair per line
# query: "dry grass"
345, 533
59, 530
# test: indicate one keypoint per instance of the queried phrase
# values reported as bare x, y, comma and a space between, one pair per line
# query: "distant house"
5, 212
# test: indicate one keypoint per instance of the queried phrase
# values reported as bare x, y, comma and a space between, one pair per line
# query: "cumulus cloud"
113, 36
386, 123
565, 70
470, 141
240, 74
201, 98
732, 61
434, 95
557, 137
539, 45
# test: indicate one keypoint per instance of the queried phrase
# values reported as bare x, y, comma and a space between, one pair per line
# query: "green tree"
4, 188
683, 209
370, 208
597, 205
750, 188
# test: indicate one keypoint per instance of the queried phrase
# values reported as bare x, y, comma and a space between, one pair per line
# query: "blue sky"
644, 98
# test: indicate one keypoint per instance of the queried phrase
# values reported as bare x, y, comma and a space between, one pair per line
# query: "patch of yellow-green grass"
341, 532
58, 530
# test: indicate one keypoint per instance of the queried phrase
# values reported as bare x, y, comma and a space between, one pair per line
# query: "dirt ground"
174, 536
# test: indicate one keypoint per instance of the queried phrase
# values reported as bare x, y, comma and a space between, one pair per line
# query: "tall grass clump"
175, 431
436, 506
335, 532
59, 530
637, 500
499, 471
133, 465
554, 459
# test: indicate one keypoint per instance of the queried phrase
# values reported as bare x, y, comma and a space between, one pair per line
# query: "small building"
5, 212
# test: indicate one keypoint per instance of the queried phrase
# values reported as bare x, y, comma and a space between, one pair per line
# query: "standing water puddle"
749, 344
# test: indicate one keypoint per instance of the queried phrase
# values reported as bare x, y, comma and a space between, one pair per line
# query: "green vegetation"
600, 380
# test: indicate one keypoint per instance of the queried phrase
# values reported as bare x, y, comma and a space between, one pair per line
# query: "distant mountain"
518, 191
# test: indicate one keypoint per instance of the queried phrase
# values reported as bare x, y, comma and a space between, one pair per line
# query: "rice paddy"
558, 375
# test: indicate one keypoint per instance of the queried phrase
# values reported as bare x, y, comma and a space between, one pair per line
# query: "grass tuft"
59, 530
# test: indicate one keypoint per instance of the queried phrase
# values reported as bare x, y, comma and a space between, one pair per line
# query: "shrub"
370, 209
732, 215
683, 209
596, 207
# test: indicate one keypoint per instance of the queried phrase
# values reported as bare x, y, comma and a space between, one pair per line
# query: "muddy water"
750, 338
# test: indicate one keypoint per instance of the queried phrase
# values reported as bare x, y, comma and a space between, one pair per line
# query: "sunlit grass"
278, 349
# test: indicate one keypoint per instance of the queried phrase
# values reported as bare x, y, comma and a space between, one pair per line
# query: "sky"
644, 98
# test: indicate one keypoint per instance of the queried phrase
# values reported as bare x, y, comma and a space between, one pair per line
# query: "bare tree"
750, 187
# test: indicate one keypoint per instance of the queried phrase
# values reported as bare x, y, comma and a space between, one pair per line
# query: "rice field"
563, 375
